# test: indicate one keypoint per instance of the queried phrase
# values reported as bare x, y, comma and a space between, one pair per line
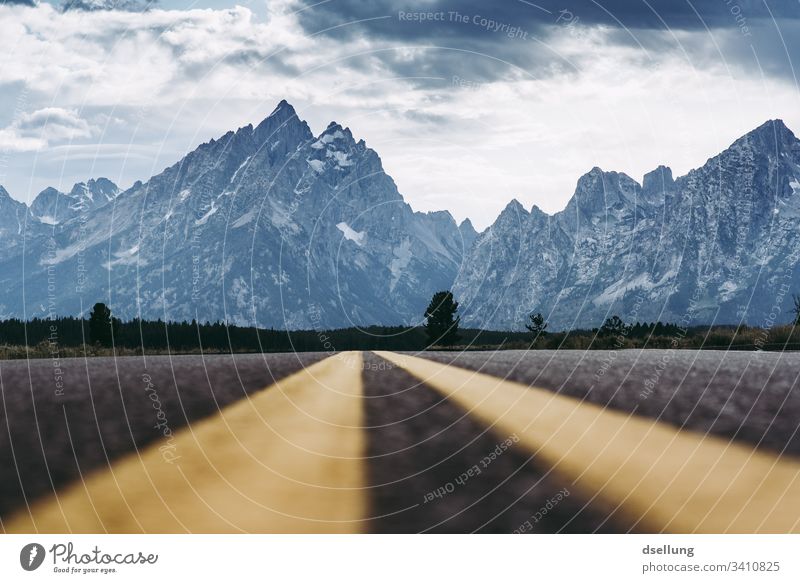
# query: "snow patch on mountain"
341, 158
124, 257
239, 169
616, 290
209, 213
350, 234
701, 247
707, 246
245, 219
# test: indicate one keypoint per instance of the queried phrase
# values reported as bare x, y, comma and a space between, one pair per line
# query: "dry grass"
778, 338
47, 350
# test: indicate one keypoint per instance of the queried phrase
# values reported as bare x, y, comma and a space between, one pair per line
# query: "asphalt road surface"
433, 468
542, 441
51, 435
750, 396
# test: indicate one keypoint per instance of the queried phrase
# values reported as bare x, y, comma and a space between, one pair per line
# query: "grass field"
778, 338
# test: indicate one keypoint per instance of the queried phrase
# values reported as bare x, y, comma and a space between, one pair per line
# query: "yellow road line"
660, 477
286, 459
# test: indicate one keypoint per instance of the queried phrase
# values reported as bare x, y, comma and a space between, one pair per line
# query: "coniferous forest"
71, 336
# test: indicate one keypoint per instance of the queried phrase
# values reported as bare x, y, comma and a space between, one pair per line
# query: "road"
511, 441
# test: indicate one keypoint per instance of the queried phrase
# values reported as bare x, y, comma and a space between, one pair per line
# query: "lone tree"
536, 326
612, 326
101, 324
442, 322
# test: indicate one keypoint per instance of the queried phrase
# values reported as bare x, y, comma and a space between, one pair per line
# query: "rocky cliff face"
717, 245
274, 226
52, 207
268, 225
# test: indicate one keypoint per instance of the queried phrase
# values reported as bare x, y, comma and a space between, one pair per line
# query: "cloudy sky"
469, 103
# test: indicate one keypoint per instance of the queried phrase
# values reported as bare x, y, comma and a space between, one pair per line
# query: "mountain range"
274, 226
718, 245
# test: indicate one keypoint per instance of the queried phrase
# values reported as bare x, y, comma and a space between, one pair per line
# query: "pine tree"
537, 326
613, 326
100, 325
442, 322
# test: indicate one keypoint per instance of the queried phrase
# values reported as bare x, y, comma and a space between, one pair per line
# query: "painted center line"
656, 476
286, 459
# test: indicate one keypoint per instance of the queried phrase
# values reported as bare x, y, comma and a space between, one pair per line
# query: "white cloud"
120, 58
168, 80
96, 5
41, 128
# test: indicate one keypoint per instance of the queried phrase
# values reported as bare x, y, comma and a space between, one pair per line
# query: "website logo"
31, 556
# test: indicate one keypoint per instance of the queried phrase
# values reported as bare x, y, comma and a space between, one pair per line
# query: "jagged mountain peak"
773, 127
658, 182
537, 212
282, 113
93, 188
770, 136
283, 107
51, 206
513, 211
707, 246
515, 205
282, 123
244, 130
466, 225
597, 174
46, 193
468, 233
443, 219
599, 190
12, 218
606, 184
265, 221
660, 174
79, 189
256, 215
335, 135
102, 182
338, 132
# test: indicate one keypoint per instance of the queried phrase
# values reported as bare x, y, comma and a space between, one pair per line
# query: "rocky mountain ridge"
718, 245
268, 225
274, 226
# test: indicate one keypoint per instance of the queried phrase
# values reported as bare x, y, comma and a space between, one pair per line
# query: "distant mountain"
14, 216
268, 225
720, 244
274, 226
51, 206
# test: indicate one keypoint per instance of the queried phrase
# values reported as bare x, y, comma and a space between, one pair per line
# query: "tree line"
102, 329
442, 329
442, 325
